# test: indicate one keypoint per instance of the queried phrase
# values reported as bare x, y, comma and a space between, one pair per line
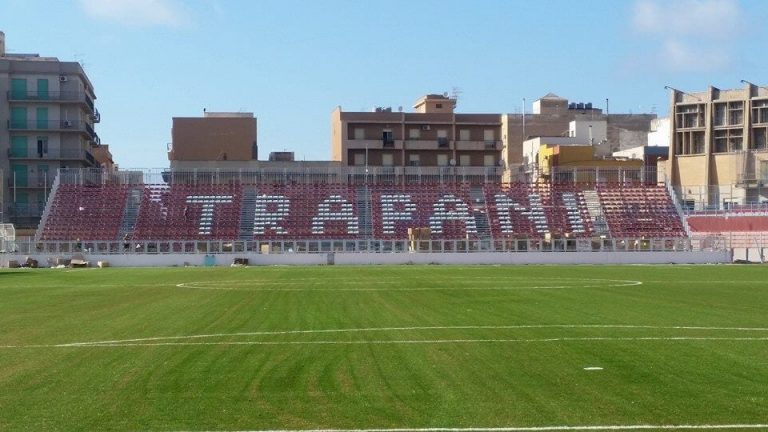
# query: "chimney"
2, 44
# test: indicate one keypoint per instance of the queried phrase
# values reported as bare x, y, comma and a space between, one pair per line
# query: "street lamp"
753, 84
680, 91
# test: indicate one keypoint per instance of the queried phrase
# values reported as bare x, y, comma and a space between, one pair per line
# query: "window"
690, 116
464, 160
689, 142
758, 138
464, 135
439, 106
697, 141
728, 140
489, 160
721, 141
18, 146
42, 146
42, 118
414, 133
720, 110
388, 138
359, 159
359, 133
760, 111
442, 160
735, 113
764, 170
414, 160
18, 118
19, 175
42, 89
442, 133
489, 135
43, 179
18, 88
387, 159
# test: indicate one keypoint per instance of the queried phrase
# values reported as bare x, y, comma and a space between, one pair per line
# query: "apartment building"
434, 135
218, 140
48, 110
719, 154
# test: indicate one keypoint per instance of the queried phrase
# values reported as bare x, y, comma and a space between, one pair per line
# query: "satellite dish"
452, 162
400, 108
501, 162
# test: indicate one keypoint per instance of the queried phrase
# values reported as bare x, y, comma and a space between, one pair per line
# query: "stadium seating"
85, 212
639, 211
446, 209
190, 212
452, 211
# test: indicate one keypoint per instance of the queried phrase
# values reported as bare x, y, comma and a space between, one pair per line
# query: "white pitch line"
524, 429
416, 342
418, 328
398, 342
227, 286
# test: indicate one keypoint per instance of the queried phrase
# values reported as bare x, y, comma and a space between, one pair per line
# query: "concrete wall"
213, 139
168, 260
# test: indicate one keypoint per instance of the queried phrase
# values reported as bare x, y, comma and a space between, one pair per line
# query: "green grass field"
383, 347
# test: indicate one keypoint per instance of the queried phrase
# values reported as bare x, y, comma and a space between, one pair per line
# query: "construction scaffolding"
7, 238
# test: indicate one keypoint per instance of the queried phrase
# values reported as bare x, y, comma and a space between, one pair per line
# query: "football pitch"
385, 347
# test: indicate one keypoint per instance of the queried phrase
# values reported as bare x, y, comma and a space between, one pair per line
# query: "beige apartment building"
218, 140
719, 156
434, 135
48, 109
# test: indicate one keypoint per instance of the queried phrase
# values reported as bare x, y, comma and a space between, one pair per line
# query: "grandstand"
300, 213
111, 210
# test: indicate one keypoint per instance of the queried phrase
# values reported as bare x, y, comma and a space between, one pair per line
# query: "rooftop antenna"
455, 93
79, 58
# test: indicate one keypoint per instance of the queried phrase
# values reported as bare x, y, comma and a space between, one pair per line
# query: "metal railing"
30, 246
51, 154
57, 125
53, 96
266, 173
724, 199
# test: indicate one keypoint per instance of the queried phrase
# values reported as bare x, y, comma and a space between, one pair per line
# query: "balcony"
440, 143
373, 144
51, 125
478, 145
53, 97
35, 181
53, 155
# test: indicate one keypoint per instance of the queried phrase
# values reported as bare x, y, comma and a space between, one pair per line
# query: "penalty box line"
526, 429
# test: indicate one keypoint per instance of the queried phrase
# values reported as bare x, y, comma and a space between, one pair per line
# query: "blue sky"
292, 62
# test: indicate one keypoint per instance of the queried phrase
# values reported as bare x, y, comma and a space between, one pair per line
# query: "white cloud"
689, 34
163, 13
709, 18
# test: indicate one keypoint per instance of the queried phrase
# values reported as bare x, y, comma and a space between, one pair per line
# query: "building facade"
434, 135
218, 140
47, 108
718, 154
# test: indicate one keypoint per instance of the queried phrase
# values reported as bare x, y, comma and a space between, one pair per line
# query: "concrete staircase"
482, 222
364, 211
247, 213
131, 211
595, 209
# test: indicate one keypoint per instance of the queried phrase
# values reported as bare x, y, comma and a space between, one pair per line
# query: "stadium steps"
247, 213
131, 212
482, 223
363, 203
595, 209
46, 211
